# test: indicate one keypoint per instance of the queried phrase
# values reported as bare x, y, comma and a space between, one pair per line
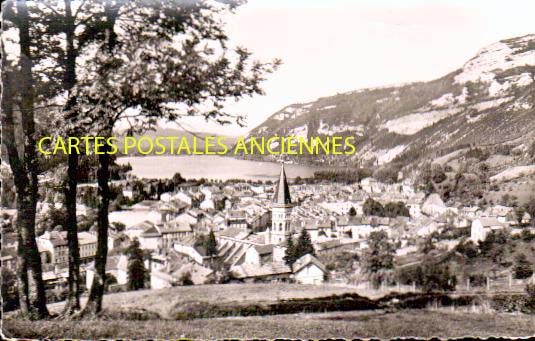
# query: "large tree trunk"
22, 276
27, 196
96, 294
8, 130
74, 280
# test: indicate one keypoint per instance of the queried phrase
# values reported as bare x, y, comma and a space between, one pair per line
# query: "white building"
54, 247
309, 270
481, 227
116, 266
434, 205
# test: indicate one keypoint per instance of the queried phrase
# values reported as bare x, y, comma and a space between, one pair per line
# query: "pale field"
376, 324
164, 301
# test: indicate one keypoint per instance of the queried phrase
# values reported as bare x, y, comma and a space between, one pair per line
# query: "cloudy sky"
333, 46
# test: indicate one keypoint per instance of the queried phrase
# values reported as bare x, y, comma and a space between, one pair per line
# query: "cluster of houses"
252, 223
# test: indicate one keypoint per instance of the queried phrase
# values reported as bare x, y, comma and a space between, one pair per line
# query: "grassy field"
117, 323
379, 324
164, 301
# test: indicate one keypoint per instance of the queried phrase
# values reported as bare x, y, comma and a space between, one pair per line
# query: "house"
54, 248
116, 269
369, 185
434, 205
481, 227
194, 252
274, 271
309, 270
87, 244
135, 216
237, 219
116, 239
169, 277
163, 236
343, 207
415, 208
259, 254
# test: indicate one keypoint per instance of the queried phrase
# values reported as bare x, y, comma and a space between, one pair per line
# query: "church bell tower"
281, 212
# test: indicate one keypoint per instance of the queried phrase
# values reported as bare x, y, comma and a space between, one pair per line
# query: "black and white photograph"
267, 169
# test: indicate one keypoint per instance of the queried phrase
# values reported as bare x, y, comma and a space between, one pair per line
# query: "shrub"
523, 267
529, 306
508, 303
185, 279
478, 280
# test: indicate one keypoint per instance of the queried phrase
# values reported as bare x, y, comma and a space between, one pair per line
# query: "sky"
334, 46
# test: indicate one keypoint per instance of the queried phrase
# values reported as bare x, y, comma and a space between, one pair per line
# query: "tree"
494, 245
289, 253
210, 244
136, 267
395, 209
530, 207
428, 245
378, 259
467, 248
436, 277
118, 226
389, 173
523, 267
159, 60
518, 214
185, 278
304, 245
352, 212
177, 179
10, 295
23, 161
372, 207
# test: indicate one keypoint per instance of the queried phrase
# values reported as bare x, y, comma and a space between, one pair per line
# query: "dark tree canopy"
378, 259
137, 274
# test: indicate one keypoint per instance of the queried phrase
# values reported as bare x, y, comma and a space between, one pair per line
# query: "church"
281, 212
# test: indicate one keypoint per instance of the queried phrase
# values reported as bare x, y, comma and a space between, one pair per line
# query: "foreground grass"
378, 324
164, 301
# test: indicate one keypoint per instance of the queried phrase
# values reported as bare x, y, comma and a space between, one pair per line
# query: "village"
252, 223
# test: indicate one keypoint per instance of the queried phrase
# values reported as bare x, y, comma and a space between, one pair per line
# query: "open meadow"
378, 324
153, 314
164, 301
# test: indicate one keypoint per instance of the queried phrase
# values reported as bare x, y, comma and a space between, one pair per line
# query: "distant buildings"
54, 249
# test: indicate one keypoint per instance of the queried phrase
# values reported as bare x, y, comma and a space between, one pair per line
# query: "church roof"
282, 191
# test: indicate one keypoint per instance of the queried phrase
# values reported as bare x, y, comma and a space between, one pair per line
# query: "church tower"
281, 212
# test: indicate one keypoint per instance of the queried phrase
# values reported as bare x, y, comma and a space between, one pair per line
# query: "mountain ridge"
491, 98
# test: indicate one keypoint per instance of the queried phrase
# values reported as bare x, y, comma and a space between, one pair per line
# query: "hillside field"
164, 301
156, 309
379, 324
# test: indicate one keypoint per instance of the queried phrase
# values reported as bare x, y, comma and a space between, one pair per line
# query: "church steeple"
281, 212
282, 191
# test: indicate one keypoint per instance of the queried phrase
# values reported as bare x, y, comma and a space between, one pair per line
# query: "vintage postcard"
262, 169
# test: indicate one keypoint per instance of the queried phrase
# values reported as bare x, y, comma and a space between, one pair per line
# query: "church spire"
282, 192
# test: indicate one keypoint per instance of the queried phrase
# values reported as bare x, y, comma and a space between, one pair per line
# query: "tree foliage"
523, 268
211, 244
294, 251
372, 207
10, 295
137, 274
378, 259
